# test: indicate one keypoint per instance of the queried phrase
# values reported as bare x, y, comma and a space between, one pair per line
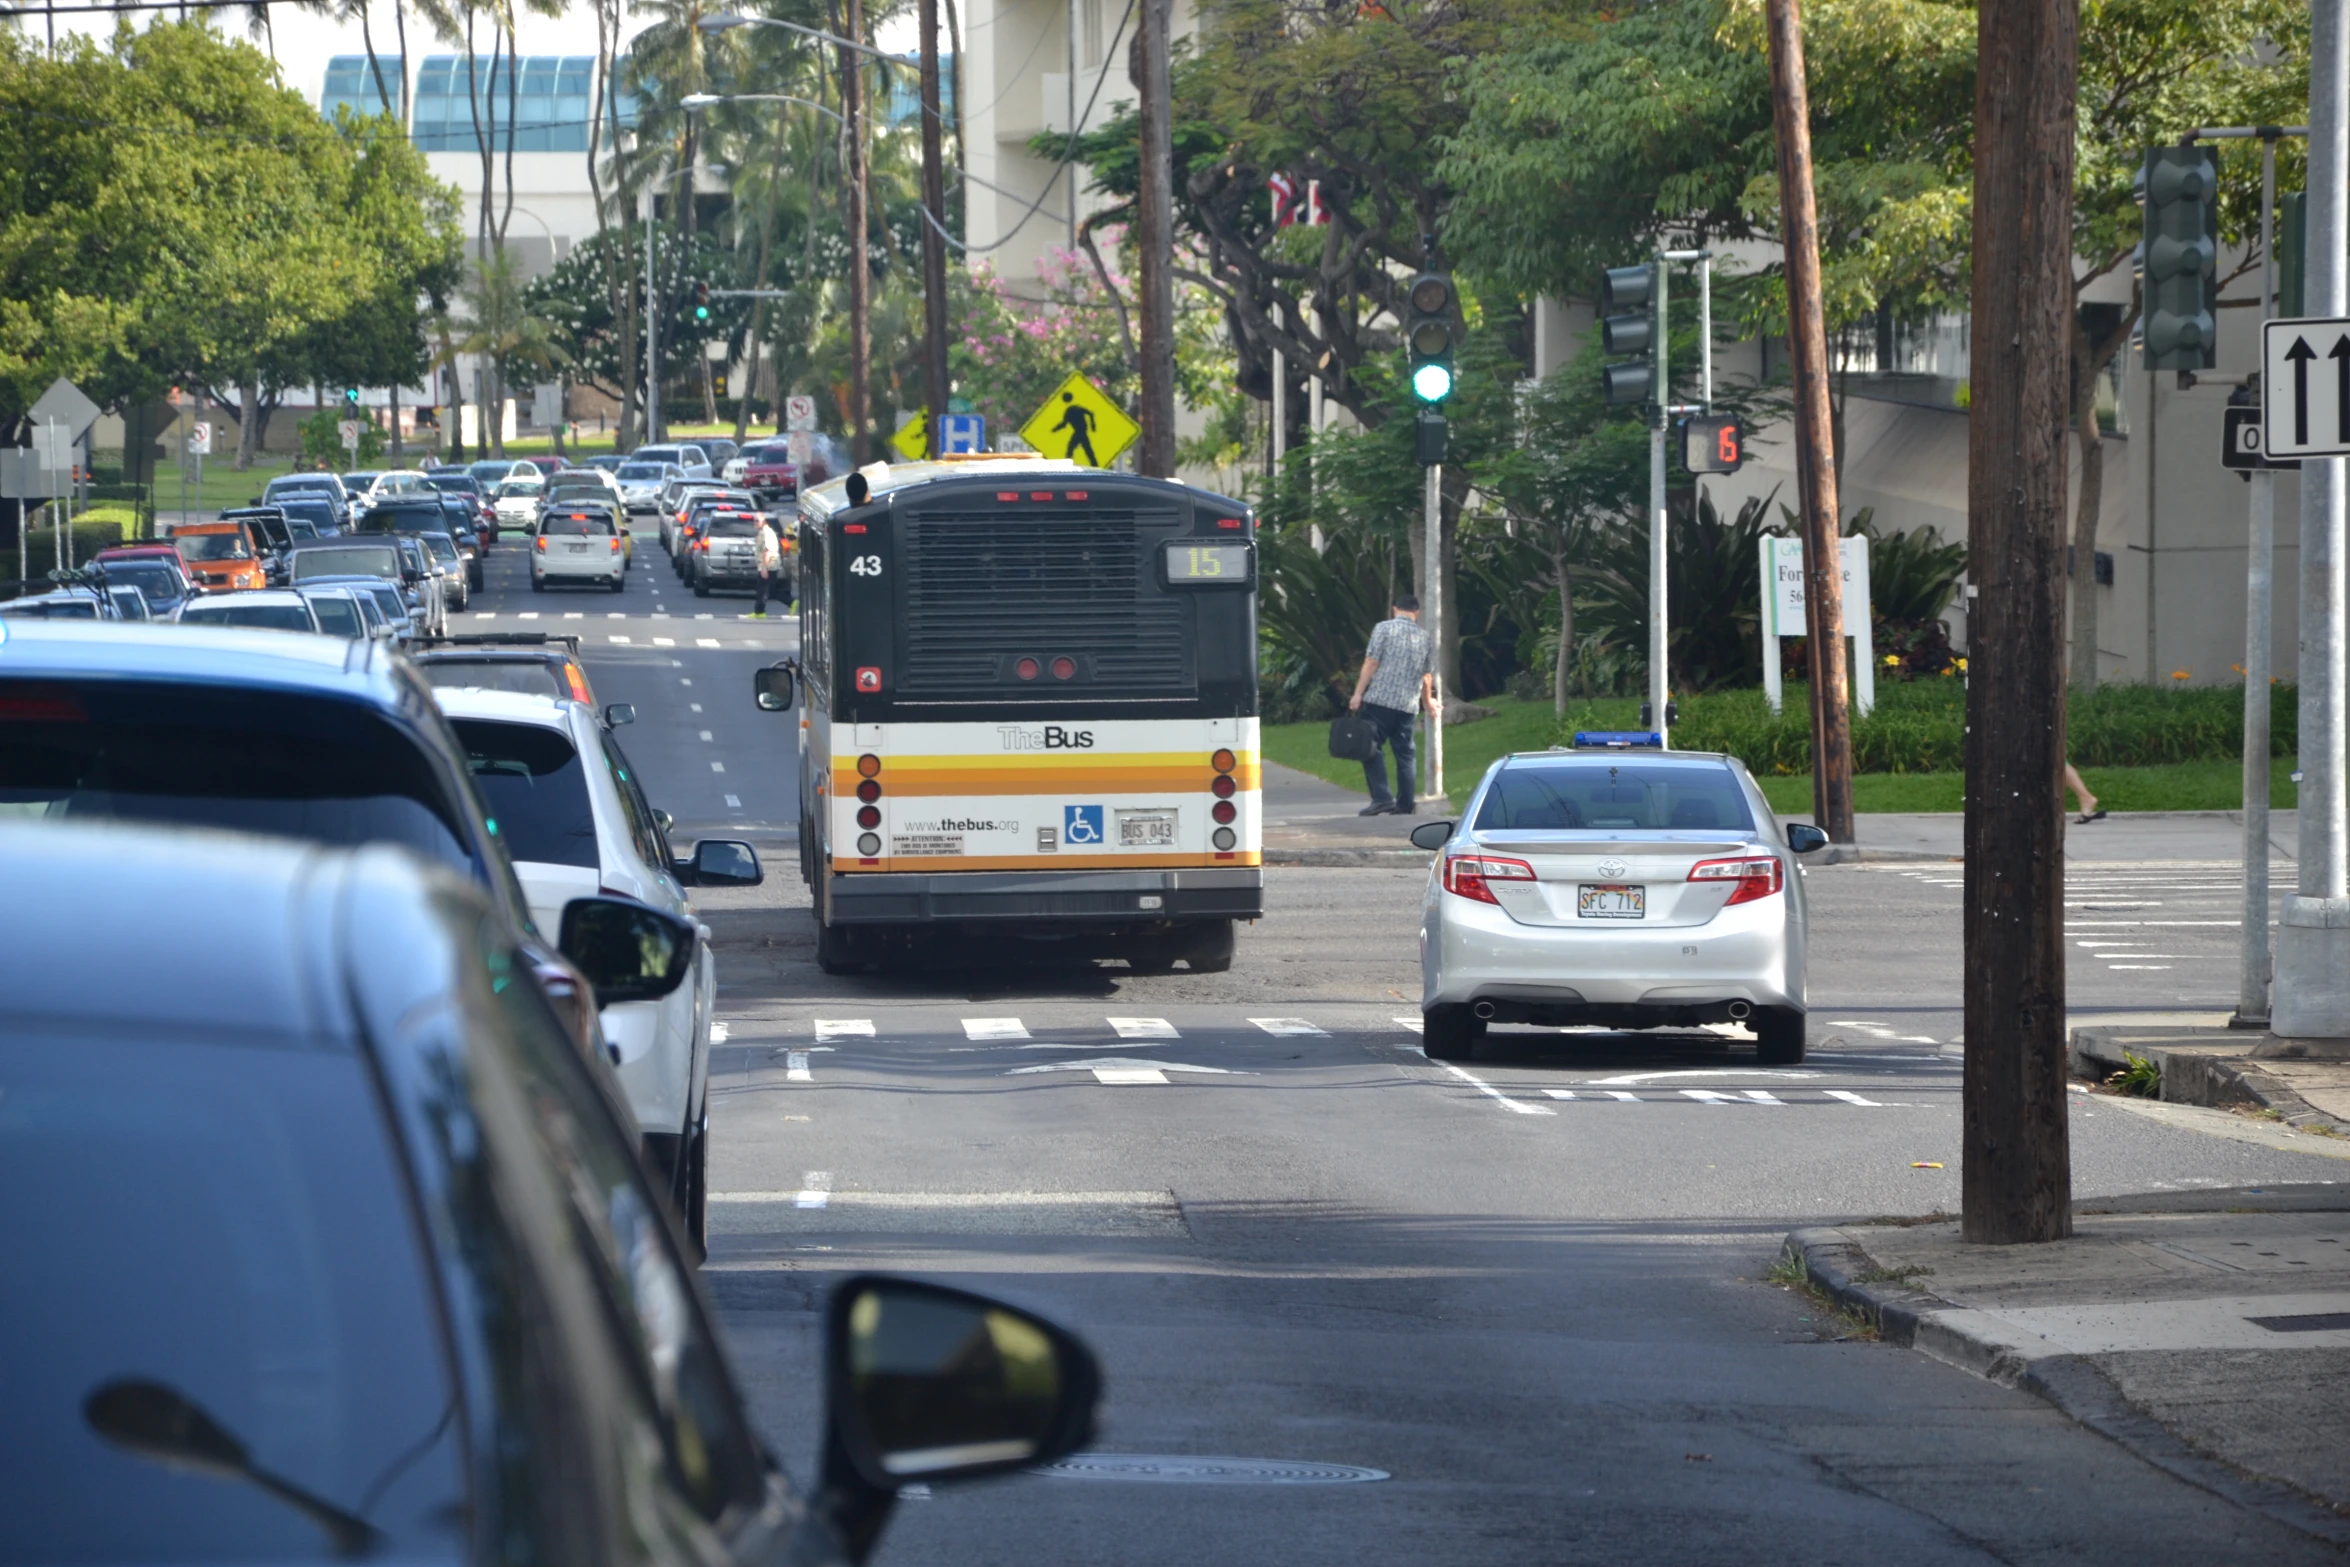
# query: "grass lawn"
1528, 726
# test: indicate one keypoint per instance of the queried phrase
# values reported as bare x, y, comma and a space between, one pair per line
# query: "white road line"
1851, 1098
528, 614
705, 617
1415, 1022
718, 767
795, 1067
1124, 1064
994, 1028
696, 706
664, 641
1485, 1088
706, 735
485, 614
844, 1028
1706, 1096
1763, 1096
1560, 1093
733, 804
1144, 1028
574, 614
1630, 1099
2137, 965
1288, 1027
705, 641
815, 1189
621, 640
617, 615
1129, 1076
1705, 1072
718, 1032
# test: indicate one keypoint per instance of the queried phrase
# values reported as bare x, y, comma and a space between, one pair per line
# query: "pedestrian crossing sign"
1080, 423
912, 442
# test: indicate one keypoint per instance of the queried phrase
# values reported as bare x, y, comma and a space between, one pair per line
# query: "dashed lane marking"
1144, 1028
1287, 1027
719, 1031
1097, 1065
733, 804
994, 1028
1129, 1076
718, 767
622, 641
705, 642
844, 1028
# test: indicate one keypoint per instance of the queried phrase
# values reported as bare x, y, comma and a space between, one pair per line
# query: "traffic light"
351, 398
1712, 443
2180, 187
1428, 335
701, 301
1626, 327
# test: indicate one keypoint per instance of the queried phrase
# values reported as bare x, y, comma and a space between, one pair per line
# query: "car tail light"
578, 683
703, 545
1224, 810
1467, 875
540, 544
1758, 877
615, 543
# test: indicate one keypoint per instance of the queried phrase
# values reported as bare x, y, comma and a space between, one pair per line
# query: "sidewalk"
2208, 1332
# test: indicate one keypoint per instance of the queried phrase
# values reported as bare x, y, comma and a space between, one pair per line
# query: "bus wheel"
1211, 952
835, 952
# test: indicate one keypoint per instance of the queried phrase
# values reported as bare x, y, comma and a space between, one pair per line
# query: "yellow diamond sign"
1080, 423
913, 441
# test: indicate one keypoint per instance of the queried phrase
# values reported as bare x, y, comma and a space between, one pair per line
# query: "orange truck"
223, 556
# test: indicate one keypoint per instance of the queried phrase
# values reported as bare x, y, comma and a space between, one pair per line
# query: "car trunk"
1611, 883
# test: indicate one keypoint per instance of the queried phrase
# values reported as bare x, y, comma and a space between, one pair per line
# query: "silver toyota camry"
1623, 888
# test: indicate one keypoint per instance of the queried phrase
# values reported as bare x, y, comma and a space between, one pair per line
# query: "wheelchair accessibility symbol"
1081, 824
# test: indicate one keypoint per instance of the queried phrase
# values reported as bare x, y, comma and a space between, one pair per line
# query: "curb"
1836, 1263
1406, 859
2194, 1075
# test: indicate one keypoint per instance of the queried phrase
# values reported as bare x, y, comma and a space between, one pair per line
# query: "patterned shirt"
1403, 649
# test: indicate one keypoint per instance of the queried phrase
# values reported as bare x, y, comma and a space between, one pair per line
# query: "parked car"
532, 662
575, 820
578, 544
270, 609
157, 570
223, 556
1634, 889
342, 1250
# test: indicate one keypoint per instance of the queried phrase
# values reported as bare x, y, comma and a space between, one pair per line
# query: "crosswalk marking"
664, 641
1624, 1096
1763, 1096
485, 614
844, 1028
795, 1067
1129, 1076
1415, 1023
815, 1189
574, 614
1706, 1096
705, 642
623, 641
1287, 1027
994, 1028
1144, 1028
528, 614
618, 614
1851, 1098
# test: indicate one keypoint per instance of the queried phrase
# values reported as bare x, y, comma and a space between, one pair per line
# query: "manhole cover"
1205, 1471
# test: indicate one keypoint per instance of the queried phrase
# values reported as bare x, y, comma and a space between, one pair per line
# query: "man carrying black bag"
1399, 671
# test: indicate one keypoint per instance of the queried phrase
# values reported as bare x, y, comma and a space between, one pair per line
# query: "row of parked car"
374, 1233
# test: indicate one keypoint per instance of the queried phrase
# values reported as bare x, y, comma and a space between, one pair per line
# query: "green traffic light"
1432, 383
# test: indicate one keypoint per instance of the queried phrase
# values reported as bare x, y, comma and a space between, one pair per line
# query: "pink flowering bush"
1013, 349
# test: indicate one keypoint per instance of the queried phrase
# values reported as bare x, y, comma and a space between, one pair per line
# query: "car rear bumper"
1751, 955
1072, 898
601, 568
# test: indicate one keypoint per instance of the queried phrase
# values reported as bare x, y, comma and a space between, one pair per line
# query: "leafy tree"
576, 307
499, 327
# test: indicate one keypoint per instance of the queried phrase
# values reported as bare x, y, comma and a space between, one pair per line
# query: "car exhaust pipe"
1484, 1010
1740, 1011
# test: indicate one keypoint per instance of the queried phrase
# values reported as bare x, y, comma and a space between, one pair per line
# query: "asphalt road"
1531, 1291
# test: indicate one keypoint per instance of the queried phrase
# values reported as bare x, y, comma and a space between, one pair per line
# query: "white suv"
575, 822
579, 544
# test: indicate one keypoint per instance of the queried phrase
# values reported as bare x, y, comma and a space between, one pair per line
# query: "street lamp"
703, 100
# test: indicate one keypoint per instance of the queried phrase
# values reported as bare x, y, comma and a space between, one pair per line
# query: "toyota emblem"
1613, 867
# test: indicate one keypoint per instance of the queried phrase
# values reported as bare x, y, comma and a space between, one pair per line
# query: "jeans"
1395, 731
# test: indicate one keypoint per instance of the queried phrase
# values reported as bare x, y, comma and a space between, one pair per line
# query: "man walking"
770, 556
1399, 672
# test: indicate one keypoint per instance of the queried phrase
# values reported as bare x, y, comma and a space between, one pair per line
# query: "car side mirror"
1803, 839
628, 951
1432, 835
723, 862
619, 713
772, 687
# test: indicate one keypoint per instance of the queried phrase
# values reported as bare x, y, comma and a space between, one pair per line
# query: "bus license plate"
1146, 829
1610, 901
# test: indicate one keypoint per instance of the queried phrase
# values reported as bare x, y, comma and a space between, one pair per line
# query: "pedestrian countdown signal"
1712, 443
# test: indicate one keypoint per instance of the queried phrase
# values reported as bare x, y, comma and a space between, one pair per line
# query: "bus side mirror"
772, 687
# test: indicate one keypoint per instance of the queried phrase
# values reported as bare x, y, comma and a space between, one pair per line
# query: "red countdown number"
1712, 443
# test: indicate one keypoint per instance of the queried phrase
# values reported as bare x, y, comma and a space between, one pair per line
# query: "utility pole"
1815, 450
852, 90
1660, 685
934, 245
2312, 998
2017, 1174
1155, 236
652, 324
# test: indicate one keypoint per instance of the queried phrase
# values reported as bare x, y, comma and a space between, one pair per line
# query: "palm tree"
497, 326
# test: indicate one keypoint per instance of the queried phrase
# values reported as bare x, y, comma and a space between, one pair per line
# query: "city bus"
1027, 707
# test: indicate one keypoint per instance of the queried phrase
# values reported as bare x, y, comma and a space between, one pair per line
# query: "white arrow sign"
2305, 387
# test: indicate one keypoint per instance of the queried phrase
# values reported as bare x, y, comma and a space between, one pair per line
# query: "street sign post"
199, 439
800, 446
2305, 386
65, 403
799, 413
962, 435
1785, 613
1080, 422
2244, 447
349, 429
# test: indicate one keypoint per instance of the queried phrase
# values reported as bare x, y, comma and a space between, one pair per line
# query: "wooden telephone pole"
852, 88
934, 245
1815, 437
1155, 237
2017, 1181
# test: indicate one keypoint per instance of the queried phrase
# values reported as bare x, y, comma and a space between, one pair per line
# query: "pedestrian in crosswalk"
770, 556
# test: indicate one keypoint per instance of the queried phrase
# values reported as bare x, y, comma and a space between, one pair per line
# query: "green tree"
498, 326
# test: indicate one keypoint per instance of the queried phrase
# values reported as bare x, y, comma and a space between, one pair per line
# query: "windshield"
211, 546
518, 490
248, 759
532, 789
228, 612
53, 609
388, 602
280, 486
460, 483
531, 677
341, 560
151, 577
1592, 794
224, 1223
491, 470
337, 616
442, 546
639, 472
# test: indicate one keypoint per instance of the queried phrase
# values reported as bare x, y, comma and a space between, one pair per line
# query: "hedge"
90, 535
1919, 726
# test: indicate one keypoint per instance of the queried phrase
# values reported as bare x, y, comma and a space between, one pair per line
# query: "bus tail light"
1223, 761
1027, 669
1756, 878
1224, 811
868, 844
1224, 786
868, 816
868, 791
1064, 668
868, 766
1469, 875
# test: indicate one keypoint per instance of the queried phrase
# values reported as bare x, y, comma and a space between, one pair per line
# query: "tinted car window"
640, 470
388, 603
339, 560
577, 525
225, 1220
1603, 795
454, 482
54, 609
398, 516
441, 545
530, 677
151, 577
317, 513
338, 617
727, 525
532, 789
281, 763
269, 617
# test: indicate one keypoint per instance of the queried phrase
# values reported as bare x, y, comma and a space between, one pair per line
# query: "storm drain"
1159, 1469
